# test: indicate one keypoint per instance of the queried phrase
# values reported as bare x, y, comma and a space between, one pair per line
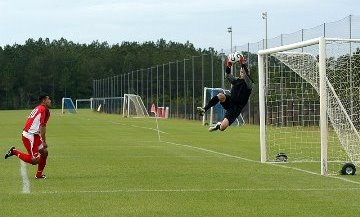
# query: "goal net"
309, 95
111, 105
216, 113
67, 105
133, 106
83, 104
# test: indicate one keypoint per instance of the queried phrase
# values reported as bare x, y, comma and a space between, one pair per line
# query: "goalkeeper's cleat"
40, 177
200, 111
215, 127
9, 153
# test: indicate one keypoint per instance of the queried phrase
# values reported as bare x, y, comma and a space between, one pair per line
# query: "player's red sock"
24, 157
41, 166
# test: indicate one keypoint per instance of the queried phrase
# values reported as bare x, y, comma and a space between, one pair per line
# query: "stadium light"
229, 29
264, 16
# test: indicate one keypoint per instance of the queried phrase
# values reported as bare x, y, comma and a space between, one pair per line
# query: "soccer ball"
234, 57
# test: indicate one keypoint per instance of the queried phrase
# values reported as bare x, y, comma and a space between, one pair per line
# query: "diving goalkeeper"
238, 98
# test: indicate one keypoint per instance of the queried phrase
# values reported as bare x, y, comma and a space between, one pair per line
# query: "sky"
203, 23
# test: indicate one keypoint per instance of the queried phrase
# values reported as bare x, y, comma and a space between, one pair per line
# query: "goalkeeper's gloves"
242, 60
246, 70
228, 65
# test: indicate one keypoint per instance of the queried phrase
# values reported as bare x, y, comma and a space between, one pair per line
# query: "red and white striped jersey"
38, 117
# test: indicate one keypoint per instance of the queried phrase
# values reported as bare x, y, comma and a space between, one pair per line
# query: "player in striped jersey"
34, 137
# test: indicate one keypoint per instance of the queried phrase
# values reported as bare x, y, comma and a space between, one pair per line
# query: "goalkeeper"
238, 98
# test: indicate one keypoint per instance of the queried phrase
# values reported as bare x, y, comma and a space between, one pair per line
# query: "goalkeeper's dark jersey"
240, 91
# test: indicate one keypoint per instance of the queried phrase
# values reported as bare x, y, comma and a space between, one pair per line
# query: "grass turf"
106, 165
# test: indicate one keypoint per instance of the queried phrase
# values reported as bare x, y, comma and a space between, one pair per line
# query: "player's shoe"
9, 153
215, 127
40, 177
200, 111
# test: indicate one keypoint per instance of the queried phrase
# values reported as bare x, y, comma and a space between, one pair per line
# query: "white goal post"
85, 101
309, 102
133, 106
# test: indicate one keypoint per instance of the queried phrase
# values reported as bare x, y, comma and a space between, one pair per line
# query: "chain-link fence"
179, 85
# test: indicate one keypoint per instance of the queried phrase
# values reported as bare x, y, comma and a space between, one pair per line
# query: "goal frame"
100, 107
63, 105
321, 42
90, 100
126, 106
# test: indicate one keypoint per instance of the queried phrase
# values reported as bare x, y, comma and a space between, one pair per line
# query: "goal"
216, 112
134, 106
83, 104
67, 105
110, 105
309, 98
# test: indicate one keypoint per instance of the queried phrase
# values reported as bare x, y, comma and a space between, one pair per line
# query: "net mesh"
68, 105
293, 103
134, 106
110, 105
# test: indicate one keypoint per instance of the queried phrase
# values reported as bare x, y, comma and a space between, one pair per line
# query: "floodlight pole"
229, 29
264, 16
223, 58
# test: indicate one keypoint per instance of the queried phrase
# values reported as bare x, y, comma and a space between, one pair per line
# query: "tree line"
62, 68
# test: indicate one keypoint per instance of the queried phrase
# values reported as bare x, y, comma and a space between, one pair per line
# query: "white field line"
313, 173
25, 178
136, 126
157, 128
197, 190
211, 151
238, 157
249, 160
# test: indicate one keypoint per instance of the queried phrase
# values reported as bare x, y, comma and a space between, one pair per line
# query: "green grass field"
106, 165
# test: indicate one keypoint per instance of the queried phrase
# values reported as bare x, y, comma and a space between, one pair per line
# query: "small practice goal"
133, 106
67, 105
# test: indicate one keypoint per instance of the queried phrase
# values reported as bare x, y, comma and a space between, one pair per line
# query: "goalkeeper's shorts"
232, 110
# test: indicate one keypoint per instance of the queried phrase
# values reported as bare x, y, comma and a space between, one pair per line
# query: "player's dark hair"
42, 97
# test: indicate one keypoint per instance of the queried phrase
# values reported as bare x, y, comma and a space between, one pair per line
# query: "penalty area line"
136, 126
212, 151
25, 178
249, 160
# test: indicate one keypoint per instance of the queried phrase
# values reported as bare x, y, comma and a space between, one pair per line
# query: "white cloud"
202, 22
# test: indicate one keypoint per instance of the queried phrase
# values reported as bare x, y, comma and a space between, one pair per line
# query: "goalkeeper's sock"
24, 157
213, 101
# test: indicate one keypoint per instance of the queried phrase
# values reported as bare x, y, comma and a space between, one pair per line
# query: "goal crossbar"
302, 44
